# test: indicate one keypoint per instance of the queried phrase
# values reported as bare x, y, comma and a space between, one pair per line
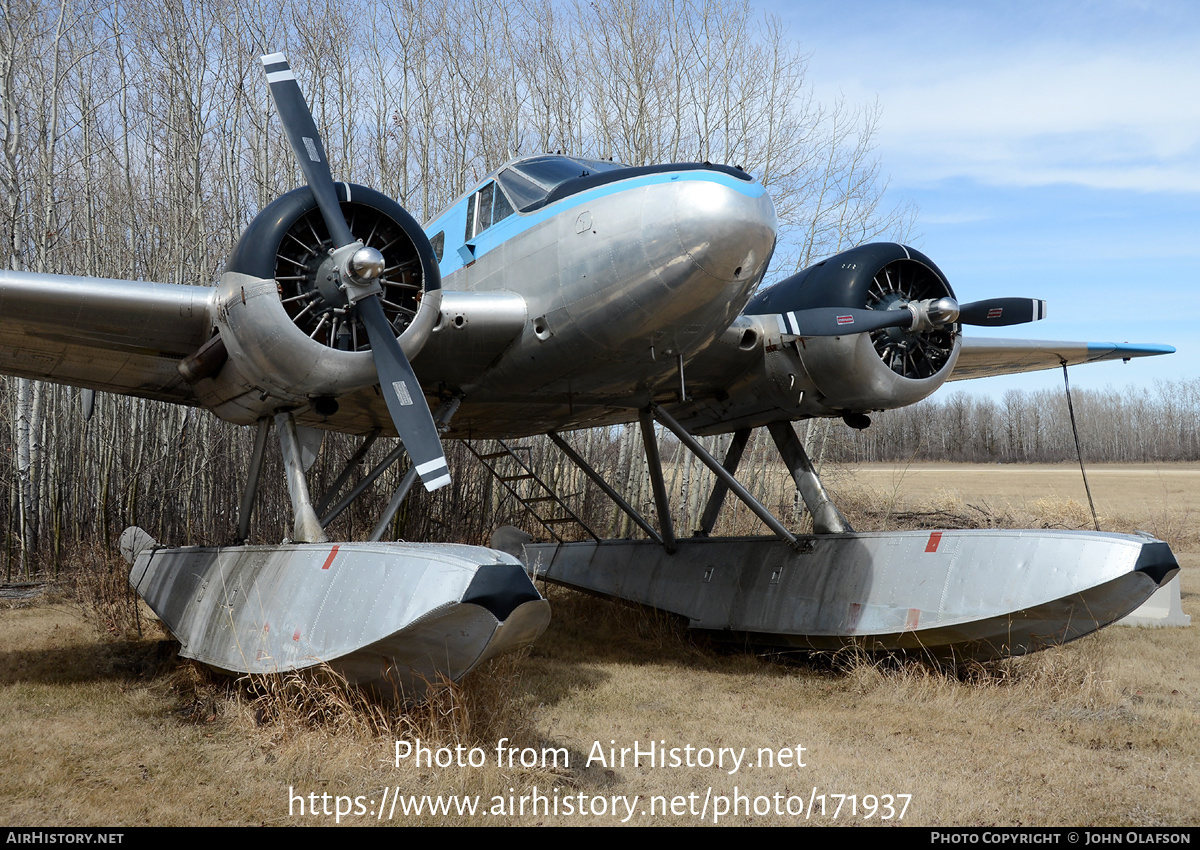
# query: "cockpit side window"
483, 210
488, 206
501, 208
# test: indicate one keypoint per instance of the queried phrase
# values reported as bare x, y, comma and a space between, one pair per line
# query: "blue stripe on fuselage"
454, 220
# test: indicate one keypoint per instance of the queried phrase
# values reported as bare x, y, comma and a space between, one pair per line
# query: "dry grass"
292, 705
102, 727
1163, 499
1077, 674
100, 585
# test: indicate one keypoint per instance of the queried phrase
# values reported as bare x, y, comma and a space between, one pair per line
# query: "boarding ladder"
527, 487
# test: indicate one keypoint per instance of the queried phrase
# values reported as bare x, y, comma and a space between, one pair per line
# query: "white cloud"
1122, 122
1115, 111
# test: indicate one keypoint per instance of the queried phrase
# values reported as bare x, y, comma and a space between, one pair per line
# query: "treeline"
1157, 423
179, 472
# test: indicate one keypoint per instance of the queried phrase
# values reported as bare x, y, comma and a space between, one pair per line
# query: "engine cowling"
289, 334
881, 369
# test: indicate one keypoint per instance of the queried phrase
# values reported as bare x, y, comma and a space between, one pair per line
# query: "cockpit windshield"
530, 182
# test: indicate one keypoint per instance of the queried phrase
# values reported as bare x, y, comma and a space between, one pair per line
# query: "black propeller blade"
405, 401
359, 268
998, 312
306, 144
841, 321
915, 315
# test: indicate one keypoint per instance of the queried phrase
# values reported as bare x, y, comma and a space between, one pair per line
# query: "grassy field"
1161, 498
99, 726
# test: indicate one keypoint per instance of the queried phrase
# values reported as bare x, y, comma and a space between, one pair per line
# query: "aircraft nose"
728, 230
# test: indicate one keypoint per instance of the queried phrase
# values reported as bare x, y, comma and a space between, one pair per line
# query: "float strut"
347, 471
256, 462
716, 498
578, 460
440, 417
654, 463
827, 519
307, 528
723, 475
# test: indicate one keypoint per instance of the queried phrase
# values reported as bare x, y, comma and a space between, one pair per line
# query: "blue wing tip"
1131, 349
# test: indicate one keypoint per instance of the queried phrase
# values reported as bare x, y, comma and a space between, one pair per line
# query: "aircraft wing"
118, 336
983, 358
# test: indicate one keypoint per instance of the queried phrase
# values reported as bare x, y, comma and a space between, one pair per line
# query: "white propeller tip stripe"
273, 58
436, 483
429, 466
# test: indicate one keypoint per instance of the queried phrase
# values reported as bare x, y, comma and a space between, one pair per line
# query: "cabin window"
439, 245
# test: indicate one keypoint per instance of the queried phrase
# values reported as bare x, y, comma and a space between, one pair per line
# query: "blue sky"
1053, 149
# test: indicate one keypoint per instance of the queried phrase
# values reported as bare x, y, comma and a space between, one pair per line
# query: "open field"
1130, 494
1162, 498
97, 727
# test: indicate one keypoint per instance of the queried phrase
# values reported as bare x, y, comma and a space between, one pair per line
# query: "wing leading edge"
983, 358
117, 336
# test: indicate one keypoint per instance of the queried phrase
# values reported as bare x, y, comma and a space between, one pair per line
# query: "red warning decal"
845, 320
329, 560
934, 539
854, 614
995, 312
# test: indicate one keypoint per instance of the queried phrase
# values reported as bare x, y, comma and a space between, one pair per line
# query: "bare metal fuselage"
610, 292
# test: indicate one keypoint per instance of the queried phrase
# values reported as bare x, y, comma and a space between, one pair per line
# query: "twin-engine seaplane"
561, 294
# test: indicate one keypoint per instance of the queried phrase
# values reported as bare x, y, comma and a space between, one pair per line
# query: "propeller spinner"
359, 268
